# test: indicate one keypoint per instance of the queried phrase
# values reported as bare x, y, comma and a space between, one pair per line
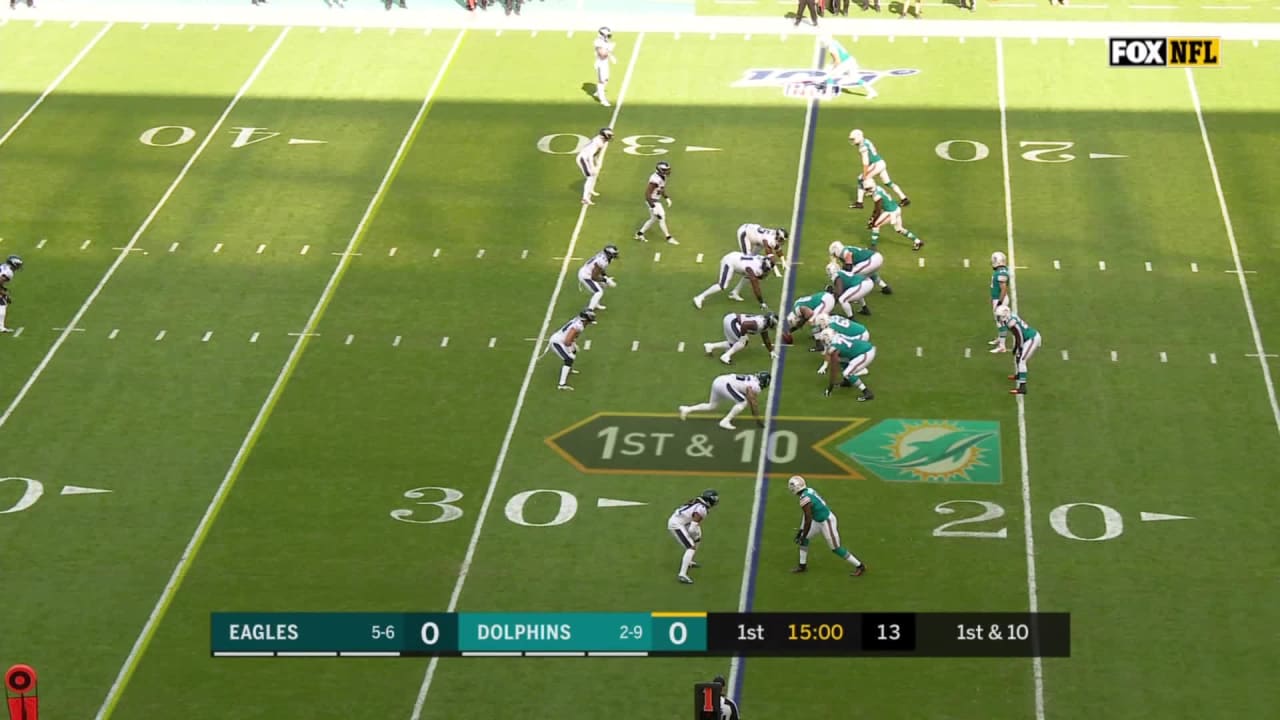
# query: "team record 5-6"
640, 634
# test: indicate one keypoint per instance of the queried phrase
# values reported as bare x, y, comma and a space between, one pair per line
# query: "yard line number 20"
1041, 151
1112, 521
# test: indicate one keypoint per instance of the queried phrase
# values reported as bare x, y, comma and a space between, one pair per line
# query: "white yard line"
469, 557
211, 512
146, 223
735, 663
1033, 601
1235, 252
56, 82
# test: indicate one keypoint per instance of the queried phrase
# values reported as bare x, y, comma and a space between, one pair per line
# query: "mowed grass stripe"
70, 326
55, 83
565, 264
273, 396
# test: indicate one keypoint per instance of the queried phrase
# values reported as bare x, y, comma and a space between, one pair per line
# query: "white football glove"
695, 533
668, 202
611, 282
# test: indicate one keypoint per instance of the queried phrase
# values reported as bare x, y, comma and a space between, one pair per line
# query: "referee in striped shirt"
728, 708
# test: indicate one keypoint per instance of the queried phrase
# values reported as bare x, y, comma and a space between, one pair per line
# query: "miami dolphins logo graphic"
952, 451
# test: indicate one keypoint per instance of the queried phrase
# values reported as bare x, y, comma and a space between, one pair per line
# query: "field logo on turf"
809, 82
940, 451
1171, 52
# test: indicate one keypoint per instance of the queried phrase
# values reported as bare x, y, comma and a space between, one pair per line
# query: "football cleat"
855, 205
866, 395
697, 302
672, 241
727, 425
564, 387
685, 579
736, 297
726, 359
1020, 390
998, 349
859, 570
640, 236
684, 411
906, 201
885, 289
917, 244
711, 351
799, 568
694, 565
864, 310
663, 168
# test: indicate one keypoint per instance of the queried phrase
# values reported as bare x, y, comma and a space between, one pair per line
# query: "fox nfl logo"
1171, 52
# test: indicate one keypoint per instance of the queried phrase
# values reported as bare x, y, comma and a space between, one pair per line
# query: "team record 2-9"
1016, 634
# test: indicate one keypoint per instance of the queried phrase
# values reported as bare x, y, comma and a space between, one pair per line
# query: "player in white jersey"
589, 162
7, 270
753, 269
741, 390
737, 329
594, 275
759, 240
604, 58
565, 344
685, 524
655, 194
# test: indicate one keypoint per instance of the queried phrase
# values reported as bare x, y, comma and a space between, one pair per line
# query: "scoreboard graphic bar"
639, 634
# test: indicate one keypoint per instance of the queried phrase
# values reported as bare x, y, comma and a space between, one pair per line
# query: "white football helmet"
1003, 313
825, 336
606, 33
832, 269
796, 485
998, 259
821, 322
855, 137
835, 248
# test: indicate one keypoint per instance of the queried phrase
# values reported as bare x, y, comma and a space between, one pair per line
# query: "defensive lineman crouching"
741, 390
737, 329
565, 344
753, 268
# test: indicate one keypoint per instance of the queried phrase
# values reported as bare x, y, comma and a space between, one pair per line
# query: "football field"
279, 338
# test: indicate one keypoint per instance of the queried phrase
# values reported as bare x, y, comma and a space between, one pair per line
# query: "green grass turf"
1145, 11
308, 525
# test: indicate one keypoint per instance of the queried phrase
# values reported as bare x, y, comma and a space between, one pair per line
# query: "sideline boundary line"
1235, 251
273, 396
746, 597
56, 82
1028, 529
534, 356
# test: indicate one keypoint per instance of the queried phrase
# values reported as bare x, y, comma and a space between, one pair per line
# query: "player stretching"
686, 525
844, 68
565, 342
589, 163
818, 517
999, 297
872, 165
604, 58
741, 390
860, 261
594, 272
1026, 340
854, 355
888, 212
655, 193
752, 268
7, 268
738, 329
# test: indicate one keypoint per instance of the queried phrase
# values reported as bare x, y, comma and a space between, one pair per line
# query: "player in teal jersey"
803, 312
863, 261
872, 165
818, 518
844, 68
854, 356
849, 287
888, 212
1026, 341
999, 297
842, 326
